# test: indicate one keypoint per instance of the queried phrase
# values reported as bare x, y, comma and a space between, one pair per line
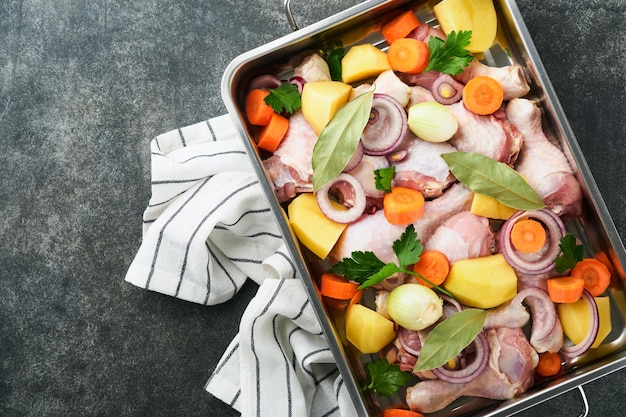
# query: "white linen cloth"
207, 229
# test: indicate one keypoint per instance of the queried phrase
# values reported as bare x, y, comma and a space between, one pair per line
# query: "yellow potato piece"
483, 205
479, 16
362, 62
368, 330
483, 282
575, 320
312, 228
321, 100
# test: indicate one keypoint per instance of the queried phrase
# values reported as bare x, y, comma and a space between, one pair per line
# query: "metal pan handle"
290, 18
583, 396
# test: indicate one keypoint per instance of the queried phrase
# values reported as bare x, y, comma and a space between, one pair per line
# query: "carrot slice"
565, 289
549, 364
434, 266
408, 55
403, 205
258, 112
399, 26
482, 95
596, 275
400, 412
272, 134
337, 287
528, 236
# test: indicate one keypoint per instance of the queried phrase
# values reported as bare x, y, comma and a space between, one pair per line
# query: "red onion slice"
471, 371
356, 158
447, 90
577, 350
357, 200
543, 261
298, 82
544, 313
265, 81
410, 341
386, 128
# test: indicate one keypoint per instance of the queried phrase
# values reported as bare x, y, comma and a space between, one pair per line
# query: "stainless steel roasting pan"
359, 25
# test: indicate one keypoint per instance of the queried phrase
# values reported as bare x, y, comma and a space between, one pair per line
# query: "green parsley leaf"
285, 97
384, 378
359, 267
333, 54
408, 248
450, 56
366, 269
572, 253
383, 178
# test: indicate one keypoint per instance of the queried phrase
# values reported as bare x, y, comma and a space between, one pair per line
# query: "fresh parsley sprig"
572, 253
284, 98
384, 378
383, 178
333, 54
368, 270
450, 56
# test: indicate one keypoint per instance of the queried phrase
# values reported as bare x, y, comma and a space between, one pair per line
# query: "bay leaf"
487, 176
339, 139
449, 338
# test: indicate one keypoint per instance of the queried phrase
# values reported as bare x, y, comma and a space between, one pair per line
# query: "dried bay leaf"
449, 338
487, 176
339, 139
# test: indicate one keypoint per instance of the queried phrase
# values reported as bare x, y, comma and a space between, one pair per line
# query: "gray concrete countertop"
84, 87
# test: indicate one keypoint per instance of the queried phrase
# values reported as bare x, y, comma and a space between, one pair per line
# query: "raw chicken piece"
543, 164
423, 169
508, 374
511, 77
462, 236
374, 233
289, 168
490, 136
313, 68
420, 95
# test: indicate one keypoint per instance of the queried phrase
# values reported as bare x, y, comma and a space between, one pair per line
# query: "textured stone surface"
84, 86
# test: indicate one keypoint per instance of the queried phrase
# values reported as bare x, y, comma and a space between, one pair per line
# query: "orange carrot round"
400, 26
596, 275
433, 266
565, 289
549, 364
528, 236
403, 205
258, 112
408, 55
400, 412
272, 134
337, 287
482, 95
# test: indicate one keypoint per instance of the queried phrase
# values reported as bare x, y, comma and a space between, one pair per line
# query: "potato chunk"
362, 62
312, 228
479, 16
368, 330
483, 282
575, 319
321, 100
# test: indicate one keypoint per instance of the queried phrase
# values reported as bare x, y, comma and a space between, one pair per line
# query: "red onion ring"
577, 350
387, 126
358, 200
298, 82
410, 341
526, 263
447, 90
356, 158
544, 314
470, 372
265, 81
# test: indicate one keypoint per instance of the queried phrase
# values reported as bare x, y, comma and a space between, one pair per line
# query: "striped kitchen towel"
207, 229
